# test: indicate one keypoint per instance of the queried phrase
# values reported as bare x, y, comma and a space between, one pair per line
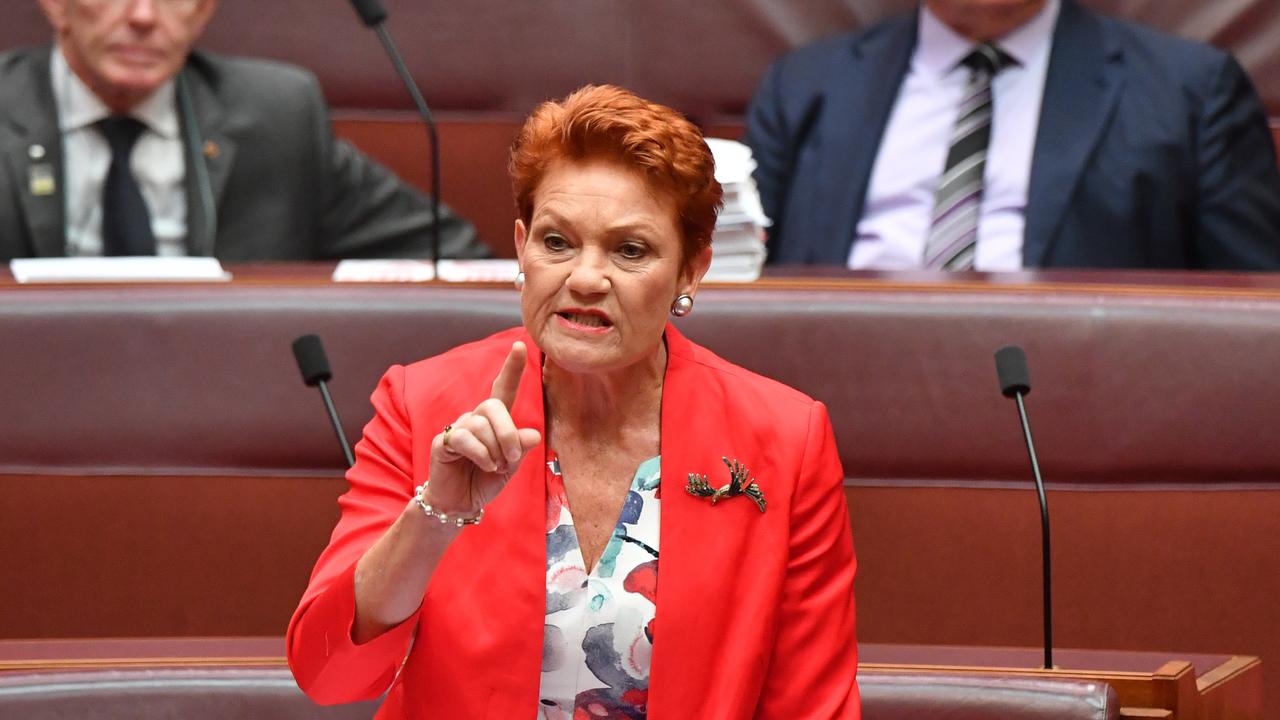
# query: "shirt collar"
940, 49
1033, 37
79, 107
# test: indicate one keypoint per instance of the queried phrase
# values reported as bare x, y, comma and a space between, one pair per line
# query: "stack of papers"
738, 241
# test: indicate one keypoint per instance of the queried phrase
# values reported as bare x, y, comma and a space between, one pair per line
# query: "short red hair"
608, 121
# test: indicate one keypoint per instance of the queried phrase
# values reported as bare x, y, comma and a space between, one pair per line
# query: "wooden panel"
1233, 690
155, 556
473, 164
1132, 571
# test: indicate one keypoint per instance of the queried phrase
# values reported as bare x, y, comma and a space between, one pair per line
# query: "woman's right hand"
474, 458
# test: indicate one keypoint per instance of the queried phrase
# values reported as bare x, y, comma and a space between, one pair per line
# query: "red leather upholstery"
194, 379
159, 455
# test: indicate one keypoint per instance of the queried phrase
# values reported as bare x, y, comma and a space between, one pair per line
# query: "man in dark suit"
1007, 134
119, 140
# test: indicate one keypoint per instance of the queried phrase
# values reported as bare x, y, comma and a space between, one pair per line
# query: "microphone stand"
403, 71
337, 424
1044, 533
1015, 382
373, 15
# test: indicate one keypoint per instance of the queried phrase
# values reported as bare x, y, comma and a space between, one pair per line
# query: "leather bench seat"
200, 693
1133, 386
160, 456
165, 693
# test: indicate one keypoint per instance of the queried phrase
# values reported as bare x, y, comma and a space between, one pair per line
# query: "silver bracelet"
420, 497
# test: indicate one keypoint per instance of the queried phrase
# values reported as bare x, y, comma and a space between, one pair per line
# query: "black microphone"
314, 365
371, 12
373, 15
1015, 382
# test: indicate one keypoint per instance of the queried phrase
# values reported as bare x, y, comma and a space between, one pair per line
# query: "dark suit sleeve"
368, 212
770, 144
15, 240
1238, 205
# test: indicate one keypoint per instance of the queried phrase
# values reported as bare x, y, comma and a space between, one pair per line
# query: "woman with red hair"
498, 550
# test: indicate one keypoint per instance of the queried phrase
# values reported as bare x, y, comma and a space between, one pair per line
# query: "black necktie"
953, 232
126, 224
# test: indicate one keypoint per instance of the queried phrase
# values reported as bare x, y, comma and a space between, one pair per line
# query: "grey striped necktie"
953, 230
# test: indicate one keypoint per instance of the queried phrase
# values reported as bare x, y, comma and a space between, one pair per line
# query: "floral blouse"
598, 635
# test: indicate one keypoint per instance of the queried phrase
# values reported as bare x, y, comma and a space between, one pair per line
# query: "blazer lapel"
859, 97
35, 157
209, 154
698, 542
1080, 97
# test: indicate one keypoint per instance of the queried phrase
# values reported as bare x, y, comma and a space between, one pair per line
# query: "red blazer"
754, 614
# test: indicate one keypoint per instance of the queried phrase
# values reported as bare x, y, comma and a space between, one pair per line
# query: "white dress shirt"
157, 163
900, 197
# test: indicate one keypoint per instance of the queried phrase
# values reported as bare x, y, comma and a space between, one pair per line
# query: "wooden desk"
1174, 686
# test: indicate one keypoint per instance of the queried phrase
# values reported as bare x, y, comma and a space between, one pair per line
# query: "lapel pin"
36, 152
40, 180
211, 150
740, 483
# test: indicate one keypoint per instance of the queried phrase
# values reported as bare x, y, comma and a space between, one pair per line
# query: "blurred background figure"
122, 141
1008, 134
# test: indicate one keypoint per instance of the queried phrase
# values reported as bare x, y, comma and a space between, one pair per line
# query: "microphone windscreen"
1011, 369
312, 362
371, 12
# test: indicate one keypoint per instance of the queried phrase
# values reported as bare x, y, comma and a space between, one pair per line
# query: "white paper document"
391, 271
386, 271
118, 269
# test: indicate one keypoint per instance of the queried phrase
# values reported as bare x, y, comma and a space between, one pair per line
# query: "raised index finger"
507, 383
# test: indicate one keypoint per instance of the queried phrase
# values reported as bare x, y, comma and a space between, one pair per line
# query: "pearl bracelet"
420, 497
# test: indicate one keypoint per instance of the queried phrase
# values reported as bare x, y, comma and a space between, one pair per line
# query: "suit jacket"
1152, 151
283, 187
754, 610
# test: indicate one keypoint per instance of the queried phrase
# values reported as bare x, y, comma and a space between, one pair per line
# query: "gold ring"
447, 429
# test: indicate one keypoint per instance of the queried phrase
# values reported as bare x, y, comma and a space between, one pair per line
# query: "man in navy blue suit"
1008, 134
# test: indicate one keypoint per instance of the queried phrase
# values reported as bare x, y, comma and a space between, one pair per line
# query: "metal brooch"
740, 483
